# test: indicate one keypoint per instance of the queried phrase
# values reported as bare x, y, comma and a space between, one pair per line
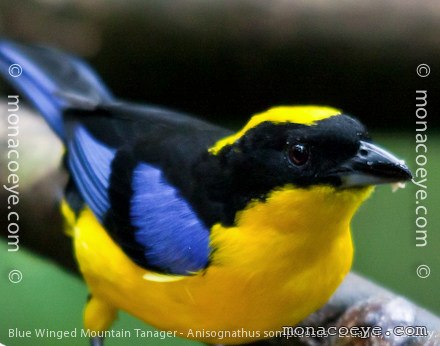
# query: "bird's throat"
291, 221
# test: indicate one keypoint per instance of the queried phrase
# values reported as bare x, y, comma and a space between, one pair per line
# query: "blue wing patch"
166, 226
90, 164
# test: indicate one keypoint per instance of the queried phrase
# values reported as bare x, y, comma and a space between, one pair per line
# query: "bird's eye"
298, 154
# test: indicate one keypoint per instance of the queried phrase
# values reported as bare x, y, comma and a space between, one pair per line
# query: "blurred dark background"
225, 60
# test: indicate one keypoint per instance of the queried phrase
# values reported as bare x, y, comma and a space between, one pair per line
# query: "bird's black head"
304, 147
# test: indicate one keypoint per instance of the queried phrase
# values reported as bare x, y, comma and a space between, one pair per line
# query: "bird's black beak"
372, 165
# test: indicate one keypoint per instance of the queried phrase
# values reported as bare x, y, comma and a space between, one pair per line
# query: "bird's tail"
52, 80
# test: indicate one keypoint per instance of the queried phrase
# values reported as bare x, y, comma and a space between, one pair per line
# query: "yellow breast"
282, 261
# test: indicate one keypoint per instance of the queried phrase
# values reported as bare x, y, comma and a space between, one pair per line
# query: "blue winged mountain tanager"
188, 226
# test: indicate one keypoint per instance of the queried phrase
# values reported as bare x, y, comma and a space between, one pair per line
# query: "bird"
217, 235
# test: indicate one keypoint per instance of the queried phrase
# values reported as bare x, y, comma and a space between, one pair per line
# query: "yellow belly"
257, 282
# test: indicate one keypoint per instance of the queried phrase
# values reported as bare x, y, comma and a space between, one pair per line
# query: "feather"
90, 164
174, 238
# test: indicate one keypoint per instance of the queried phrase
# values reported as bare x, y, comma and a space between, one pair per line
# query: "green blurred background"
225, 60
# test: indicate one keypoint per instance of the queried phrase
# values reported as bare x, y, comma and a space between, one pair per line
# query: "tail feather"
52, 80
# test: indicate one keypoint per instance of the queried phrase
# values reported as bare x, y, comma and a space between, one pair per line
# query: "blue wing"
90, 165
162, 227
174, 238
167, 231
